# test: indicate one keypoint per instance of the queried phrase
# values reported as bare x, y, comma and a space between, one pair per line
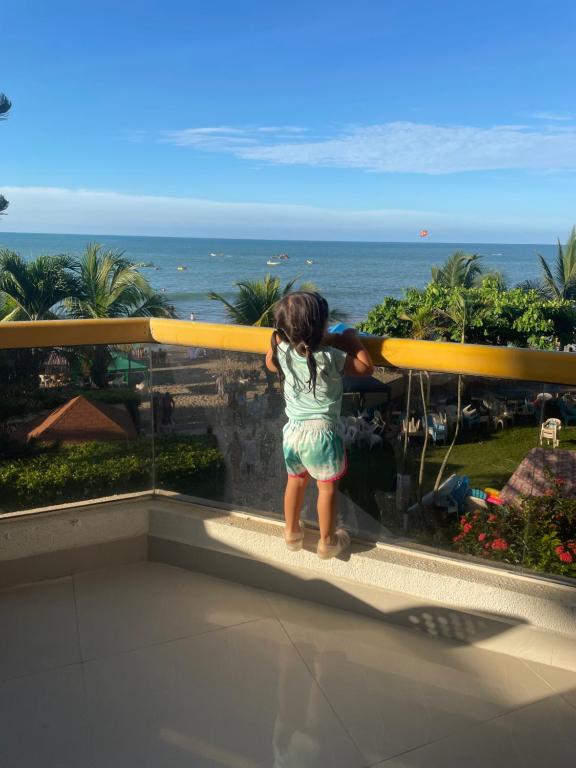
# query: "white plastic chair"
549, 431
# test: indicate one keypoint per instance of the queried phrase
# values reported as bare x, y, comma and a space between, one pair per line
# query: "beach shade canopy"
122, 364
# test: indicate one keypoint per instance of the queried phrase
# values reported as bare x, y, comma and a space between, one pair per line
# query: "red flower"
467, 528
559, 549
500, 544
492, 518
462, 520
549, 492
487, 545
566, 557
572, 545
481, 537
457, 538
560, 481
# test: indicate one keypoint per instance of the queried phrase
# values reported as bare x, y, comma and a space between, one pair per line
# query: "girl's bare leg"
327, 510
293, 499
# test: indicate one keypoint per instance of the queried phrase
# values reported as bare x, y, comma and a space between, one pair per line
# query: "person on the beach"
310, 363
168, 406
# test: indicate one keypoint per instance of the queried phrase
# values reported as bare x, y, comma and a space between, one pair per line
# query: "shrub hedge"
59, 474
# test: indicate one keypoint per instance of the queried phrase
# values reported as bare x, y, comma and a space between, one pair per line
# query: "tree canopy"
517, 316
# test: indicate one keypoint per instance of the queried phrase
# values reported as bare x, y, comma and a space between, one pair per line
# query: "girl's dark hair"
300, 321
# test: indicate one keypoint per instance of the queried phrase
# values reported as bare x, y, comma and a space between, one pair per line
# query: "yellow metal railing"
445, 357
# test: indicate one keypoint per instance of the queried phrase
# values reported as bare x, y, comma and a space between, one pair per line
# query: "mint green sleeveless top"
300, 401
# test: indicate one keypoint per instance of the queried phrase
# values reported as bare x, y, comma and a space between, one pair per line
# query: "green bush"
515, 316
541, 535
58, 474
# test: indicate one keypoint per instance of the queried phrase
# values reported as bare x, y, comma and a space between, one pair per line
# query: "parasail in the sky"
423, 233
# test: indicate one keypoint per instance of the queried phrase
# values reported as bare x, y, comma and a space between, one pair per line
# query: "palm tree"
5, 105
35, 290
559, 280
461, 270
110, 285
256, 299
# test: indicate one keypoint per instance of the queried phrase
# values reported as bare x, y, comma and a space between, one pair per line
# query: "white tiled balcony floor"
151, 666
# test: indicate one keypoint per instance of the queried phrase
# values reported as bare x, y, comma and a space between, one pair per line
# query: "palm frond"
548, 279
5, 106
460, 270
537, 286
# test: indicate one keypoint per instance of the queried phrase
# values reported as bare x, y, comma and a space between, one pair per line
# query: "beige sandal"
294, 541
340, 543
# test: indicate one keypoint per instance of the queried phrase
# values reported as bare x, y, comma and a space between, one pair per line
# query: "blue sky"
329, 120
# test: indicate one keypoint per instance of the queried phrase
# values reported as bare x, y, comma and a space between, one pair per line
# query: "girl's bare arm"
358, 360
269, 363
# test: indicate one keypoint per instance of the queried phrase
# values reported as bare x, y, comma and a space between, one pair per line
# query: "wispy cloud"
551, 116
229, 138
92, 212
398, 147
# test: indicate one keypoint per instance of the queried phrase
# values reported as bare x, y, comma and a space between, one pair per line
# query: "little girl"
310, 364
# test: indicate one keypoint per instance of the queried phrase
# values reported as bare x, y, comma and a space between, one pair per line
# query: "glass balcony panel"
405, 484
504, 492
228, 411
75, 424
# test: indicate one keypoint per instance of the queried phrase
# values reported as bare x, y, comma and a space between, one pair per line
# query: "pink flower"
487, 545
467, 528
481, 536
462, 520
549, 492
457, 538
492, 518
566, 557
559, 549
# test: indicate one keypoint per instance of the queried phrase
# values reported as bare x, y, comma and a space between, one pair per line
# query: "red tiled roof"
81, 419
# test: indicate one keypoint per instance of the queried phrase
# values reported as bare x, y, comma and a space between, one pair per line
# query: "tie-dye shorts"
314, 447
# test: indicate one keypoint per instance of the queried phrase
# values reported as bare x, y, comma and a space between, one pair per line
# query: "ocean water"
353, 276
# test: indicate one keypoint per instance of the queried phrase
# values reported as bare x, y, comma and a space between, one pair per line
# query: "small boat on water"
216, 254
309, 261
181, 269
272, 263
282, 256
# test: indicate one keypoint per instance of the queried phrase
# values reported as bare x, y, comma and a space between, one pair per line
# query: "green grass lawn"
490, 460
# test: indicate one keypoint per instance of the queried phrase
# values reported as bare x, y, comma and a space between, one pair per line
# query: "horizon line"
277, 239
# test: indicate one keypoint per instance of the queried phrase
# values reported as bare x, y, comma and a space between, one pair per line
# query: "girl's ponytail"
300, 319
275, 360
